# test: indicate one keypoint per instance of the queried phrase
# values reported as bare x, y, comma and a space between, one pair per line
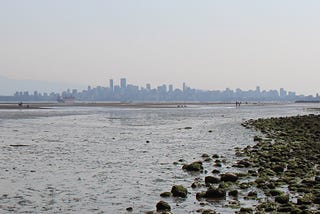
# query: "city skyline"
208, 44
123, 91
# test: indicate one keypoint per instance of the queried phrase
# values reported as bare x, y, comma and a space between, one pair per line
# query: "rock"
205, 156
195, 166
243, 163
215, 171
282, 199
285, 209
257, 138
179, 191
278, 168
252, 194
163, 206
245, 210
196, 184
215, 156
211, 180
215, 193
275, 192
218, 165
129, 209
244, 185
165, 194
306, 199
188, 127
200, 195
316, 200
233, 193
207, 211
229, 177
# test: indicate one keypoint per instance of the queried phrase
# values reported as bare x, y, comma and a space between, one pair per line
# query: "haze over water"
98, 160
208, 44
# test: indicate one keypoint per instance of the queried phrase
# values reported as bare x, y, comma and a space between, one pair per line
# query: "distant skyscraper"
148, 86
170, 88
184, 86
123, 83
283, 92
111, 84
258, 89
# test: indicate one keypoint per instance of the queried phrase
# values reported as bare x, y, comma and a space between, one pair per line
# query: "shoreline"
48, 105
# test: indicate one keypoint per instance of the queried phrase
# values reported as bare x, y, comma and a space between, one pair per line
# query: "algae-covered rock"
282, 199
179, 191
206, 211
257, 138
245, 210
196, 184
275, 192
195, 166
306, 199
215, 193
163, 206
165, 194
205, 155
229, 177
233, 193
211, 180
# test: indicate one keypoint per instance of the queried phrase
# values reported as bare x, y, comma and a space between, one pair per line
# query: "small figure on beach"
20, 104
238, 103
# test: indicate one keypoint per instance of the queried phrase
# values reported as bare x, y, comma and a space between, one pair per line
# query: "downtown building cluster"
131, 93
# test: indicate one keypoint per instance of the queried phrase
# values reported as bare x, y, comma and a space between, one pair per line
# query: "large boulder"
163, 206
215, 193
195, 166
179, 191
229, 177
211, 180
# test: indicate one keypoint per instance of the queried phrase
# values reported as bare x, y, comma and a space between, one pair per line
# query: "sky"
209, 44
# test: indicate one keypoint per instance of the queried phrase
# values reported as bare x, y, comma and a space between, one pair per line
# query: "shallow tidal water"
103, 160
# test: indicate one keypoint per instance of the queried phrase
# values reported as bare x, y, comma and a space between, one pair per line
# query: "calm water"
97, 160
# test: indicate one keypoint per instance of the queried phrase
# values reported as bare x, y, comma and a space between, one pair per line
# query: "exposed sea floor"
103, 160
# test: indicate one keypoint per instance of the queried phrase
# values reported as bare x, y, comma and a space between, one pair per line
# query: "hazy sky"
209, 44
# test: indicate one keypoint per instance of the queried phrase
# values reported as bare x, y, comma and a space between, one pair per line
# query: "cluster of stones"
288, 157
282, 169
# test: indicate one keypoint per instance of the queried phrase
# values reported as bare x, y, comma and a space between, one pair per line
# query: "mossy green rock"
194, 167
179, 191
215, 193
163, 206
233, 193
282, 199
229, 177
246, 210
165, 194
275, 192
211, 180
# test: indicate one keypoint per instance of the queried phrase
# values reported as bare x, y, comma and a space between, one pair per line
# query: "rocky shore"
280, 173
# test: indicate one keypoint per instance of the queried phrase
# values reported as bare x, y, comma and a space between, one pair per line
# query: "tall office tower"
184, 87
170, 88
148, 86
283, 92
123, 83
111, 84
